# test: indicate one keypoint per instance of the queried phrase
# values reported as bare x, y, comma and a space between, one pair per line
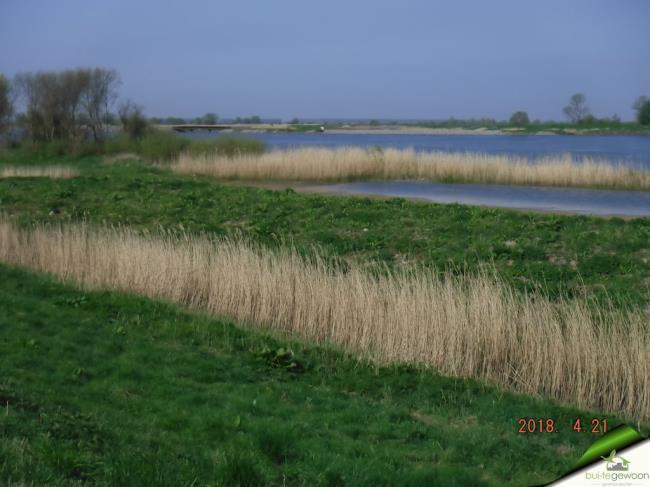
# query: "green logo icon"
616, 463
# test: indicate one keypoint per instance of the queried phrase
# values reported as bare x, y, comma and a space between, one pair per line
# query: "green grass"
108, 388
559, 255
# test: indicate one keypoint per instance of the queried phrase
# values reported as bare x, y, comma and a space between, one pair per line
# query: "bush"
134, 123
163, 145
160, 145
152, 145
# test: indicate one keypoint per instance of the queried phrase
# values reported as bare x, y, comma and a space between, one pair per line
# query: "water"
585, 201
632, 150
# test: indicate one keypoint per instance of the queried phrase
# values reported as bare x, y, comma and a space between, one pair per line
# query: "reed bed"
54, 172
465, 326
344, 164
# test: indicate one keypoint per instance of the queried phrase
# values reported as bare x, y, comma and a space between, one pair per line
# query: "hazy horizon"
367, 60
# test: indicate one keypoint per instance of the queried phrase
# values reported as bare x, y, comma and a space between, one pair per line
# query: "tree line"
75, 105
71, 105
578, 112
61, 105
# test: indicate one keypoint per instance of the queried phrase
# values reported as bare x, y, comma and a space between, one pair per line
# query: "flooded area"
569, 200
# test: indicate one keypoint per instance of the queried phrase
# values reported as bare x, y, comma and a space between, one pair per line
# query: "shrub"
161, 145
233, 146
134, 123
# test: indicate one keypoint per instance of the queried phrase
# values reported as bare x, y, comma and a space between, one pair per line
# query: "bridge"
191, 127
254, 127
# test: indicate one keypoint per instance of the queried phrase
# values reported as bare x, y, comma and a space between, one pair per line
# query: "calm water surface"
586, 201
633, 150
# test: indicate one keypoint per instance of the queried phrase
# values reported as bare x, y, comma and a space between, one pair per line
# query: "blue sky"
356, 59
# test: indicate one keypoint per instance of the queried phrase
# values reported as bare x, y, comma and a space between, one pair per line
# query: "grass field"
344, 164
109, 388
104, 387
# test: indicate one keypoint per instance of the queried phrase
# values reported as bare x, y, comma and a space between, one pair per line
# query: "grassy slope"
573, 255
106, 387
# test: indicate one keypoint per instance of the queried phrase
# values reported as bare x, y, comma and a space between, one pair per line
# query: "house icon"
616, 463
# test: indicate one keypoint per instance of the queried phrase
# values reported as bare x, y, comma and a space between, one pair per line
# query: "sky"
344, 59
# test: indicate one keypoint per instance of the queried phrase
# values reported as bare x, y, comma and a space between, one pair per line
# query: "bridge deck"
189, 127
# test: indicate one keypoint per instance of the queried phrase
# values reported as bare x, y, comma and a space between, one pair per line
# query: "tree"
6, 102
98, 96
67, 104
519, 119
638, 103
643, 113
210, 119
577, 109
641, 107
134, 123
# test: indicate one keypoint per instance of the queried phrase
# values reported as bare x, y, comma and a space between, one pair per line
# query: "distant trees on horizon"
642, 107
519, 119
75, 105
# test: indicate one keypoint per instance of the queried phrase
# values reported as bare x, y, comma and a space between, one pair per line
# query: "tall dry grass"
463, 326
318, 164
54, 172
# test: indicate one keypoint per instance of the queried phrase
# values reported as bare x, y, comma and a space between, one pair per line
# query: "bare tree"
40, 115
577, 108
52, 100
6, 102
67, 104
100, 94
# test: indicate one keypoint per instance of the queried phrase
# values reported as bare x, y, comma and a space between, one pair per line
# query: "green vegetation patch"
603, 258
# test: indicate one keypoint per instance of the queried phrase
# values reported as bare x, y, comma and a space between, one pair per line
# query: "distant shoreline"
413, 130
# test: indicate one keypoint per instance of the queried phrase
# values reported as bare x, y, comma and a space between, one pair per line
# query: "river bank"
417, 130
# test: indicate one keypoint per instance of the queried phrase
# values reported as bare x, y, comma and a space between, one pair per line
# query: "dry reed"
468, 326
54, 172
319, 164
